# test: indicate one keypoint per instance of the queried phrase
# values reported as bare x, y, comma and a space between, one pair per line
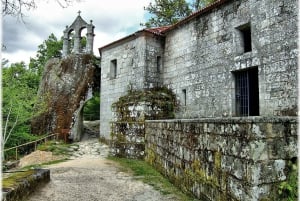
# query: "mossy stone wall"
220, 159
20, 185
130, 112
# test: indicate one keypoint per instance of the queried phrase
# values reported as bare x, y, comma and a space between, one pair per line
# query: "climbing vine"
127, 134
288, 190
161, 103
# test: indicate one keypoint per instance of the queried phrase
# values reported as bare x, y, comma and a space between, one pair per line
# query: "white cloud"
113, 20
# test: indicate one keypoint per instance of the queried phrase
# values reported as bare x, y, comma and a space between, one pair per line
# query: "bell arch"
77, 26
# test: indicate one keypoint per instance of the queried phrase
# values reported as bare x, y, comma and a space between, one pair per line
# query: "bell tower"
77, 26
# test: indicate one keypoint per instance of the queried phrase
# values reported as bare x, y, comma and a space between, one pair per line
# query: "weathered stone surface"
130, 112
201, 55
223, 158
26, 185
64, 89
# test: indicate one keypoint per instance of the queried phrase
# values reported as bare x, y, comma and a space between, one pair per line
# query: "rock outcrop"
66, 85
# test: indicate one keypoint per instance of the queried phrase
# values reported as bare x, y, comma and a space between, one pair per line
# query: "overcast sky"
113, 19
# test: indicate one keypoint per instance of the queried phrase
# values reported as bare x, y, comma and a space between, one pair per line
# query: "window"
247, 92
184, 96
158, 64
113, 69
245, 37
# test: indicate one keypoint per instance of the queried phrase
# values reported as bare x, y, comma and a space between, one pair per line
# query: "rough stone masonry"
208, 59
234, 60
224, 158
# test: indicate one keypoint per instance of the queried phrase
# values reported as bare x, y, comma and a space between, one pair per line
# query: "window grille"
246, 92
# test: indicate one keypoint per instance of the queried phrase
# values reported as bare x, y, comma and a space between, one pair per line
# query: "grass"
36, 166
57, 147
144, 172
13, 179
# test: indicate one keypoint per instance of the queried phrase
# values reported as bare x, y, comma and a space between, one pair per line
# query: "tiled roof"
157, 30
164, 29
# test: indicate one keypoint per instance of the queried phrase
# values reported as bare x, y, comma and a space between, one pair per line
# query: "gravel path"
89, 176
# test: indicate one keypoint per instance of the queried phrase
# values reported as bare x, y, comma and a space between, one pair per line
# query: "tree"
198, 4
91, 110
50, 48
16, 7
19, 89
168, 12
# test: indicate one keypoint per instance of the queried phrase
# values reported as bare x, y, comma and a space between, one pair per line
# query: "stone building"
232, 58
233, 69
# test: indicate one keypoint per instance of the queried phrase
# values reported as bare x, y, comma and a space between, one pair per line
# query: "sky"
113, 20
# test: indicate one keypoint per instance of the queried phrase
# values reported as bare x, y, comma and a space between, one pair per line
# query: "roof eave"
133, 36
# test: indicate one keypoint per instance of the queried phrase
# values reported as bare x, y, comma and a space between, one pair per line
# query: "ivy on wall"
160, 103
131, 110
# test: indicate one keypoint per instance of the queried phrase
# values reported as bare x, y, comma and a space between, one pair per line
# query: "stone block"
258, 150
26, 185
266, 172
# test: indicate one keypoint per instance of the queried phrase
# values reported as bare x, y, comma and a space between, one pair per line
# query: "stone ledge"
251, 119
24, 186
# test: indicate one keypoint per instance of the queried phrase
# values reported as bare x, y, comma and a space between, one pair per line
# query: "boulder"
65, 86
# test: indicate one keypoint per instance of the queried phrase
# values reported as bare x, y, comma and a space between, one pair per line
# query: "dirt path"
92, 177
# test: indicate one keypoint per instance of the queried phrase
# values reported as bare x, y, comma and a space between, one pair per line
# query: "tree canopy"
19, 88
168, 12
50, 48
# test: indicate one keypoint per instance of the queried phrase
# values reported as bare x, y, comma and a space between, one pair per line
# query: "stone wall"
202, 54
130, 111
128, 139
223, 158
23, 186
135, 70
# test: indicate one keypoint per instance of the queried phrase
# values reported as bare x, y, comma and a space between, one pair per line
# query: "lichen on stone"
64, 85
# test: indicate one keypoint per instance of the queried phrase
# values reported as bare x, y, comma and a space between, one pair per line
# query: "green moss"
160, 103
160, 99
149, 175
57, 147
150, 156
37, 166
217, 160
13, 180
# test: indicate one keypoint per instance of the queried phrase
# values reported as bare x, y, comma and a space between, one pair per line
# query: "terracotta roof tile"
158, 30
164, 29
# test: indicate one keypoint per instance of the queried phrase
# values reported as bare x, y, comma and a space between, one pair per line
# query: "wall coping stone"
25, 186
254, 119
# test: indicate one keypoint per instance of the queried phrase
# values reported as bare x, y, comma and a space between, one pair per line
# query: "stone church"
231, 70
230, 59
